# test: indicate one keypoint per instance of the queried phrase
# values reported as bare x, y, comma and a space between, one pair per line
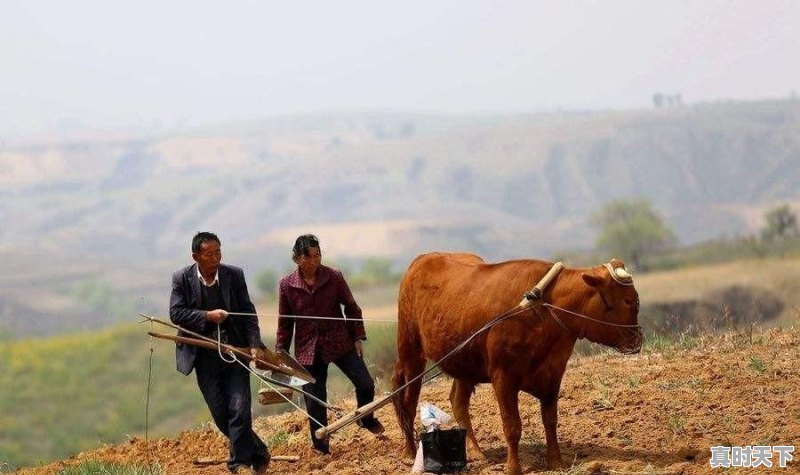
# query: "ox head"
615, 307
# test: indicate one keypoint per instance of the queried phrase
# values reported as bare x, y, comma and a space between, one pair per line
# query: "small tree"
267, 281
781, 222
377, 270
631, 229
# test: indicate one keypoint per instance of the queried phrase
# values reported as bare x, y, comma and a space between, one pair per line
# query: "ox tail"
405, 405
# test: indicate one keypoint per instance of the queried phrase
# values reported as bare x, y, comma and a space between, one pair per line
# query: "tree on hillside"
267, 282
781, 222
375, 271
631, 229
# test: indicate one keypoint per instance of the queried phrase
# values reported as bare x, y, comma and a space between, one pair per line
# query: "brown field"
654, 413
642, 414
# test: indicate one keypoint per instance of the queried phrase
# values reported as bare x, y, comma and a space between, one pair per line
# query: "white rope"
587, 317
219, 347
287, 399
310, 317
147, 407
503, 316
235, 359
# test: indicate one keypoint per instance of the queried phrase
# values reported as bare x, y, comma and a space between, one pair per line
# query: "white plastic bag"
419, 462
432, 418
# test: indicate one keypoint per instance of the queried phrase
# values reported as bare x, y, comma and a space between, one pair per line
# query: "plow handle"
325, 432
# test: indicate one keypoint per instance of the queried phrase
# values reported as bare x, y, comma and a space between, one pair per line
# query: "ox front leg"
508, 400
550, 421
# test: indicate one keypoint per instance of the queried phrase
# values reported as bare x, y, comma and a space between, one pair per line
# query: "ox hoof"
475, 454
555, 464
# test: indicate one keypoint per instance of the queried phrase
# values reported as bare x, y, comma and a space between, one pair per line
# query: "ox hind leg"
410, 363
507, 395
460, 394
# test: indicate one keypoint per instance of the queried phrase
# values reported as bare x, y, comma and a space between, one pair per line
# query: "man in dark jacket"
202, 295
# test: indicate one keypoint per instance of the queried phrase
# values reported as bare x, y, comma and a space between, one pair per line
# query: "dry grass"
779, 276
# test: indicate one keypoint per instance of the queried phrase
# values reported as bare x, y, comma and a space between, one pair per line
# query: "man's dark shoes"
321, 448
243, 470
261, 469
373, 425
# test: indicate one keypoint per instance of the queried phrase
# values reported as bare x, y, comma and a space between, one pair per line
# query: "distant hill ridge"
474, 183
369, 183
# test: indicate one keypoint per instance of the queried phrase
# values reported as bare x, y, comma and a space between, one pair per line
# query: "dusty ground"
656, 413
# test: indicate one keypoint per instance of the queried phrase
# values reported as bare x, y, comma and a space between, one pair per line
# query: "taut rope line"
147, 407
324, 432
535, 294
309, 317
551, 306
267, 381
215, 342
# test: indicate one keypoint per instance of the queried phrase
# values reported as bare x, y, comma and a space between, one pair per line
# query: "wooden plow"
279, 369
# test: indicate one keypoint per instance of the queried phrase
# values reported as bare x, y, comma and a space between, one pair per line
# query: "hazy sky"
110, 63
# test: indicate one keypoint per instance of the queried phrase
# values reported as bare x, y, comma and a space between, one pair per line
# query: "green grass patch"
757, 365
93, 467
65, 394
278, 439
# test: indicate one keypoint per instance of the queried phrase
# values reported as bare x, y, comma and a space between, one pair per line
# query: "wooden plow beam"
279, 362
205, 461
365, 410
243, 353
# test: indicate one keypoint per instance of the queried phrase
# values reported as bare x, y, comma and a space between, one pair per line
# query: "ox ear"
592, 280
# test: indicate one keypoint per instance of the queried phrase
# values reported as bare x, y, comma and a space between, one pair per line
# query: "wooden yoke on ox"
538, 290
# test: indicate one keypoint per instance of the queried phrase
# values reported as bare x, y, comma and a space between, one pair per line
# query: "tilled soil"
656, 413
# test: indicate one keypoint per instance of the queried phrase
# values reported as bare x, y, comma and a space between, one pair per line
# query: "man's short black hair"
302, 244
200, 238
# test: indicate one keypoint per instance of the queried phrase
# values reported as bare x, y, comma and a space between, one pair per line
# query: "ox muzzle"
632, 341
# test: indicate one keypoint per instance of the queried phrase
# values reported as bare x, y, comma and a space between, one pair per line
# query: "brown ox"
445, 298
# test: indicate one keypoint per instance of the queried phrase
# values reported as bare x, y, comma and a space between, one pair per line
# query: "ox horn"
623, 274
619, 274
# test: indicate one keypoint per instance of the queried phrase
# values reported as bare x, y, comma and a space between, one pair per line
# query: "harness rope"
503, 316
525, 305
309, 317
265, 381
147, 407
324, 432
536, 293
551, 306
219, 346
178, 327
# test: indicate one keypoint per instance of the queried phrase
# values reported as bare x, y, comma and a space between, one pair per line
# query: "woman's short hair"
303, 243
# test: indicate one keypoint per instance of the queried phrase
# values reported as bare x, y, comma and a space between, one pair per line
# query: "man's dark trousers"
226, 389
